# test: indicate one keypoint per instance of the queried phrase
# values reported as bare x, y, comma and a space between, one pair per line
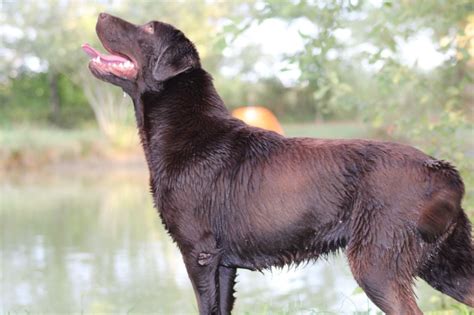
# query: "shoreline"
92, 166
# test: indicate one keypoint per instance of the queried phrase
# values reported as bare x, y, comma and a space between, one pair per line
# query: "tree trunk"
54, 99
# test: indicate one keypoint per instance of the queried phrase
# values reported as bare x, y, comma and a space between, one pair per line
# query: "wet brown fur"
234, 196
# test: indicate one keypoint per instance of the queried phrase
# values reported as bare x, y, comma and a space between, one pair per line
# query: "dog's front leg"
202, 265
226, 289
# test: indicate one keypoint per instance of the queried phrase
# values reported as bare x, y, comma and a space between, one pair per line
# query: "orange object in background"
258, 116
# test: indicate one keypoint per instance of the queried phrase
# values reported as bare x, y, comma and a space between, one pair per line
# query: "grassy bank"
35, 147
343, 129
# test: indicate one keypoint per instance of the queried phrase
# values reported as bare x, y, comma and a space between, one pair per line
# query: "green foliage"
50, 30
325, 76
198, 19
49, 34
26, 99
41, 44
22, 99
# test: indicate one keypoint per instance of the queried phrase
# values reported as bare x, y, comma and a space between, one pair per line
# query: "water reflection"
91, 242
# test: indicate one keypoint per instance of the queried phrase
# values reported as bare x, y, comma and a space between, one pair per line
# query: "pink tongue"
93, 53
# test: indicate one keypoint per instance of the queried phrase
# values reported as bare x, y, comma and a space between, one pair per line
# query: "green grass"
37, 146
338, 130
24, 137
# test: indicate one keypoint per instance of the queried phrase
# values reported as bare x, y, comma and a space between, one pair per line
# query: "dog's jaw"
115, 64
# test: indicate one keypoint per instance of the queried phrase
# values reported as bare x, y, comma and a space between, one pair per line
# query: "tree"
45, 34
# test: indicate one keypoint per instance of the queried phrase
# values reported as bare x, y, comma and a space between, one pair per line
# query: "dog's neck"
176, 120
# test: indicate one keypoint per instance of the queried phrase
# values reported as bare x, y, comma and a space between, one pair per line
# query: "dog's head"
141, 56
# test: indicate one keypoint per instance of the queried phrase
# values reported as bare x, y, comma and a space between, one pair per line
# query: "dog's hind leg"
383, 259
226, 289
389, 289
451, 269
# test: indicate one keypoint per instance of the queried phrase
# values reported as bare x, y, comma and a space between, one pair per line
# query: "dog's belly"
281, 244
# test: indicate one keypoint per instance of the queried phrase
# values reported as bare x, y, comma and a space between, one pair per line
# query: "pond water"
90, 241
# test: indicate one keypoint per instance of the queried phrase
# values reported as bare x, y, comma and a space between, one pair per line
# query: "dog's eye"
149, 28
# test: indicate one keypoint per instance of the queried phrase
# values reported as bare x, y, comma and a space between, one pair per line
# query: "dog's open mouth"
115, 64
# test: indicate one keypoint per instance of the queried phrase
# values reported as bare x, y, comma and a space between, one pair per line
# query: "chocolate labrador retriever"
234, 196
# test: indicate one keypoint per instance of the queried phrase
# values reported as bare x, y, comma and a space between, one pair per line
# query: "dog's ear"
170, 64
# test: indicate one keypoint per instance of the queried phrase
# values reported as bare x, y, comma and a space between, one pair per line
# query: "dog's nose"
103, 15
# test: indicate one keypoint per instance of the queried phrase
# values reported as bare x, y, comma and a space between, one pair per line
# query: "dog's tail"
438, 214
444, 205
450, 268
442, 222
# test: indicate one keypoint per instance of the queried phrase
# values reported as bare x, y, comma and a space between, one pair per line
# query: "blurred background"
79, 233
